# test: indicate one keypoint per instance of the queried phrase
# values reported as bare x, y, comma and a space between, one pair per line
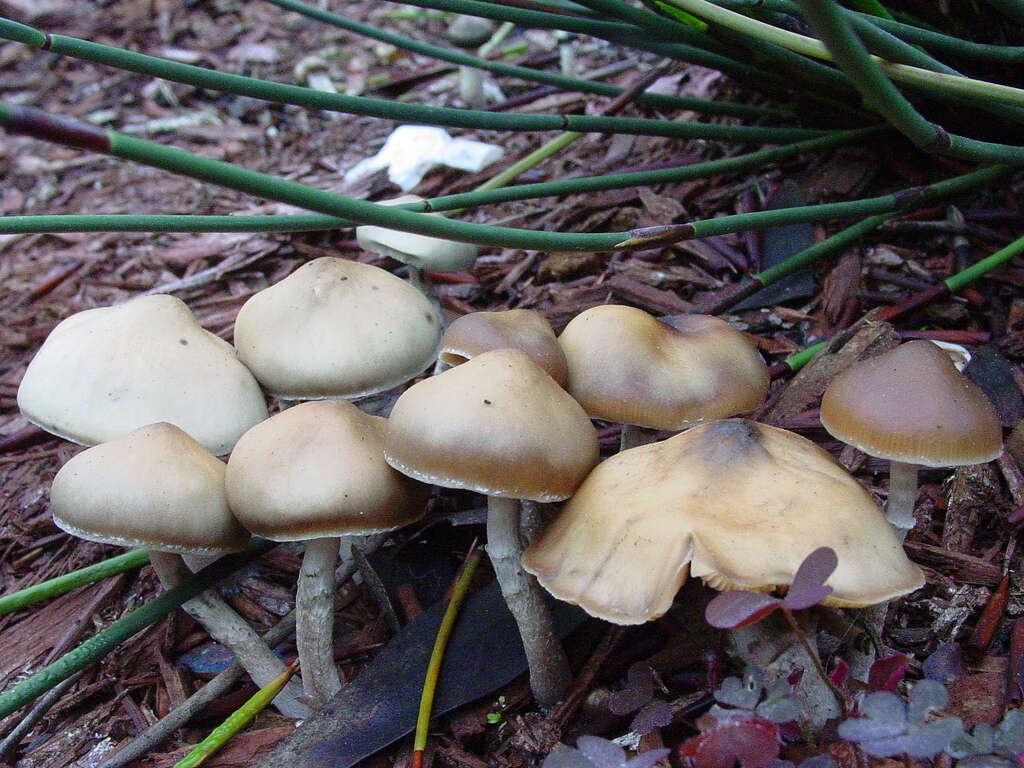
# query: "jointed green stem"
524, 73
415, 113
96, 647
61, 584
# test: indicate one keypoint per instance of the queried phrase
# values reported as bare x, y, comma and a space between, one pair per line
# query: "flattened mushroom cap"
912, 405
741, 504
627, 366
155, 487
432, 254
498, 425
105, 372
337, 328
318, 469
525, 329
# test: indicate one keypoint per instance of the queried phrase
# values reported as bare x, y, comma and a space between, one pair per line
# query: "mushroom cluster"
733, 502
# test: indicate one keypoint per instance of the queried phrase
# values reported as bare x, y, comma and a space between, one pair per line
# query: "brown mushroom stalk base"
899, 509
549, 666
314, 619
227, 627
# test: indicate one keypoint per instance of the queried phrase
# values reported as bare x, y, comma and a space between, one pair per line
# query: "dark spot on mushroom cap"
731, 440
183, 342
486, 401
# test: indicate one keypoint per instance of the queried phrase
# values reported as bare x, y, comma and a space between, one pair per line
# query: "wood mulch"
965, 545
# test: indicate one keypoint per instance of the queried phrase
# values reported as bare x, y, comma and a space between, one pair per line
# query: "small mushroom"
420, 253
910, 405
499, 425
104, 372
315, 473
158, 488
468, 33
627, 366
736, 503
336, 328
525, 329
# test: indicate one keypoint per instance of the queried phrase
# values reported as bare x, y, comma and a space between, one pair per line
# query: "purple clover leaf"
738, 608
892, 727
728, 739
749, 694
815, 761
595, 752
638, 694
998, 747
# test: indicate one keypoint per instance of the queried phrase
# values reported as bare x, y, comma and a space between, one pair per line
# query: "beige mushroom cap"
337, 328
155, 487
104, 372
912, 405
627, 366
432, 254
741, 504
498, 425
317, 470
524, 329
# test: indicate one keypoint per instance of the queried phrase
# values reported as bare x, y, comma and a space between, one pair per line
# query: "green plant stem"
96, 647
220, 735
183, 223
61, 584
893, 48
905, 199
524, 73
415, 113
952, 284
809, 46
73, 133
653, 37
849, 53
927, 38
837, 242
440, 643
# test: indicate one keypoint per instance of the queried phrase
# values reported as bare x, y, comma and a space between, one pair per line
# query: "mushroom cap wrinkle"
318, 469
104, 372
625, 365
155, 487
736, 503
337, 328
525, 329
498, 425
912, 405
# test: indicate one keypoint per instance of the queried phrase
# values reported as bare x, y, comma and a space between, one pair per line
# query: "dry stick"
34, 715
162, 730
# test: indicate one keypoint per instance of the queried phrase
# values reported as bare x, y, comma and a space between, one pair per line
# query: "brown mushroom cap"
741, 504
337, 328
525, 329
912, 405
318, 469
104, 372
155, 487
498, 425
627, 366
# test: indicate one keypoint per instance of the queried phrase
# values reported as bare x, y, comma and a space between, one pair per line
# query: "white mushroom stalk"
316, 473
158, 488
500, 425
913, 407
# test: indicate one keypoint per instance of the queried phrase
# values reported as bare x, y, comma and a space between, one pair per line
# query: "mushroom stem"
549, 667
899, 510
471, 86
314, 619
227, 627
